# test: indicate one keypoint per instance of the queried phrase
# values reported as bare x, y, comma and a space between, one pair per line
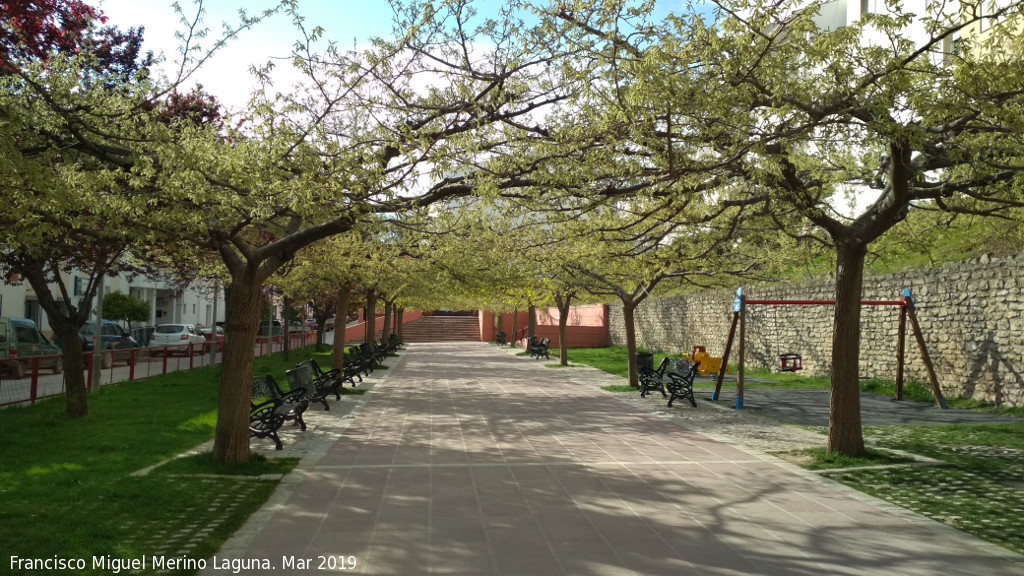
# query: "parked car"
296, 327
20, 338
117, 343
212, 334
176, 338
270, 328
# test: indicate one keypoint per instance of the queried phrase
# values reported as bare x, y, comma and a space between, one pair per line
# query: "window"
32, 310
26, 334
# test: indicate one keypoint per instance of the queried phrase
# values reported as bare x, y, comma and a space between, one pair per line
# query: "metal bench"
318, 389
266, 418
680, 381
294, 401
539, 348
653, 379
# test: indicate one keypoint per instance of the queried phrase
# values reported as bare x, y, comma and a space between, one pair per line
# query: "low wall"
970, 313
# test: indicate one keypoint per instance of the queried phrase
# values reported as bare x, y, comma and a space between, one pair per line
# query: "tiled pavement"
468, 460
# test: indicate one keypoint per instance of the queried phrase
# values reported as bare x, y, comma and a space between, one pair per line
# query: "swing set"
792, 362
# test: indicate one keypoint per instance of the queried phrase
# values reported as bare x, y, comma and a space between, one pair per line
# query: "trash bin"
644, 360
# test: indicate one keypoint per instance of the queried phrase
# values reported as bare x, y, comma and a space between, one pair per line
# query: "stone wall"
971, 314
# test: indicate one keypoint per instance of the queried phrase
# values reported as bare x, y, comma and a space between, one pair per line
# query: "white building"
168, 303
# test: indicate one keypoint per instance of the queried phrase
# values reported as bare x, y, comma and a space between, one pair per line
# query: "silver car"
176, 338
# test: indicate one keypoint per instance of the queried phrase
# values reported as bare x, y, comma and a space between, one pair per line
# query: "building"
168, 303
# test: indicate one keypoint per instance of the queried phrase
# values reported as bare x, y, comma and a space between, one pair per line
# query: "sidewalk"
465, 459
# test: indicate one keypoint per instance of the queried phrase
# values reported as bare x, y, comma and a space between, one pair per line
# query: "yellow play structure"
708, 365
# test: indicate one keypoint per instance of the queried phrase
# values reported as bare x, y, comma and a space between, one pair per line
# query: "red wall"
357, 333
587, 326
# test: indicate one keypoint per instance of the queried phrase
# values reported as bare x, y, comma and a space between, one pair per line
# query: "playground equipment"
708, 365
790, 362
795, 362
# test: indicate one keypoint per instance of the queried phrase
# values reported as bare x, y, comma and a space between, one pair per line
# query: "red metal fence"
39, 383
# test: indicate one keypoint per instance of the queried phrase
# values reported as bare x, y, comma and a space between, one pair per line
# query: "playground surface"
470, 460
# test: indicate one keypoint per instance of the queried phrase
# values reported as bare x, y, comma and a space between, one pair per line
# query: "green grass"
820, 459
66, 486
203, 464
978, 488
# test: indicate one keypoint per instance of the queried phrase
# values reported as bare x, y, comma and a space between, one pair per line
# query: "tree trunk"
66, 320
386, 324
340, 321
76, 396
400, 323
531, 326
371, 319
627, 319
563, 304
515, 319
243, 302
845, 434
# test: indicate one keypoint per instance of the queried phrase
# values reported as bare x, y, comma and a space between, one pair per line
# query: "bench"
539, 348
499, 338
680, 381
347, 374
362, 357
327, 380
294, 401
390, 348
653, 379
266, 418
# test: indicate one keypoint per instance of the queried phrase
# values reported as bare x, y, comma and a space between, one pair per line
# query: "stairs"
442, 329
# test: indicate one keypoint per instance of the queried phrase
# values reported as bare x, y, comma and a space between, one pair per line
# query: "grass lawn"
66, 487
978, 488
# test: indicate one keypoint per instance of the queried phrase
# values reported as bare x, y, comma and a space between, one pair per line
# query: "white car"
176, 338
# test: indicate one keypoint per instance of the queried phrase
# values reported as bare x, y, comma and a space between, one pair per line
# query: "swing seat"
790, 362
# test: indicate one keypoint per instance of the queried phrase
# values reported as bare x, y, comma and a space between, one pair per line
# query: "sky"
348, 23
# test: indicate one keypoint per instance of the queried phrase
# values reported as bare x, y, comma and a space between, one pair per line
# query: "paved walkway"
469, 460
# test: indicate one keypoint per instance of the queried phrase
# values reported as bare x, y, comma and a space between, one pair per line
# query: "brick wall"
970, 313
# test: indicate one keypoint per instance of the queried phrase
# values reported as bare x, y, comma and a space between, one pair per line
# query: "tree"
354, 142
121, 306
52, 53
81, 112
797, 120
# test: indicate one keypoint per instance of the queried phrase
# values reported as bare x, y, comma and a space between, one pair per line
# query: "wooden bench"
680, 381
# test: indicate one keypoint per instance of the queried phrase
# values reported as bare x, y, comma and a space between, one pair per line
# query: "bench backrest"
261, 389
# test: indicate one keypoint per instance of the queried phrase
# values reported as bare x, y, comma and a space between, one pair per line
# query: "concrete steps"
442, 329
